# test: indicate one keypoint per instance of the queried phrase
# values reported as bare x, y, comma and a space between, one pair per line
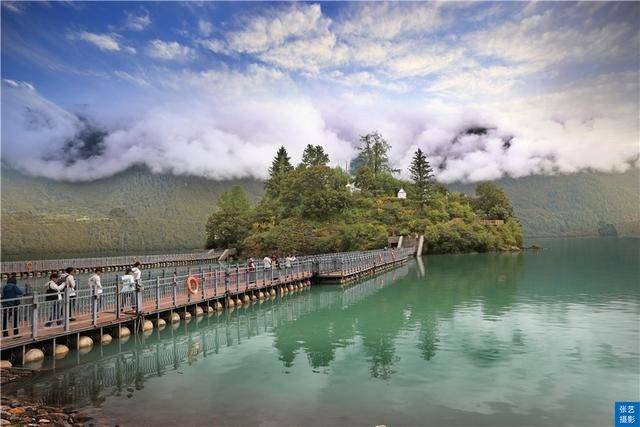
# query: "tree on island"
421, 175
491, 202
229, 225
310, 209
279, 169
374, 151
314, 156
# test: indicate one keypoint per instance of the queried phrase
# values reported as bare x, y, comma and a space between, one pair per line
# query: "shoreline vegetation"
313, 208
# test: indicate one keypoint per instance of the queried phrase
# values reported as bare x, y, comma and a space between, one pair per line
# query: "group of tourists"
131, 288
273, 262
269, 263
55, 289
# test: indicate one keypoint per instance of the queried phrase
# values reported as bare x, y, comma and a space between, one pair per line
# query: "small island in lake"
313, 208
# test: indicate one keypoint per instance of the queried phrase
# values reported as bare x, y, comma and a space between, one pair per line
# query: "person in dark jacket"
10, 291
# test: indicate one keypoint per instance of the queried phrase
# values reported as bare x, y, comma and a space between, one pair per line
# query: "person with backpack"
70, 283
11, 292
54, 294
96, 286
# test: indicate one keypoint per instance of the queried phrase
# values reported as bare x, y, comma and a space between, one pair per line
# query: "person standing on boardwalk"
137, 274
95, 284
54, 294
266, 262
70, 283
266, 265
10, 291
251, 269
128, 288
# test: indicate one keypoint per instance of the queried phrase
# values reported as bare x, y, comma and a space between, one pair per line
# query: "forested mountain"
129, 212
139, 211
573, 205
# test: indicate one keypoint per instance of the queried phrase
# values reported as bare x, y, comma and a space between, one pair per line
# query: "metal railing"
88, 263
29, 316
32, 316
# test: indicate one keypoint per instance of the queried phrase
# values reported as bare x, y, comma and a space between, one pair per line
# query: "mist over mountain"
138, 211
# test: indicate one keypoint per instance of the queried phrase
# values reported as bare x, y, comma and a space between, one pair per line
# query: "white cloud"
263, 32
227, 124
390, 20
130, 78
545, 39
14, 6
172, 50
105, 42
205, 28
137, 21
18, 84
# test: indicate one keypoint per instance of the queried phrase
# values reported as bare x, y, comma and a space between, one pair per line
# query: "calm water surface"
547, 338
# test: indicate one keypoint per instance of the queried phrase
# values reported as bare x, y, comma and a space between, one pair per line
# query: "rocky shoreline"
18, 412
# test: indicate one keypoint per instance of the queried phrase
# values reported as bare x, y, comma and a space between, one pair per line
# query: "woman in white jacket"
96, 286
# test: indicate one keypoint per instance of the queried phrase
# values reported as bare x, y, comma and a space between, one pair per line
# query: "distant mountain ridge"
132, 212
137, 211
573, 205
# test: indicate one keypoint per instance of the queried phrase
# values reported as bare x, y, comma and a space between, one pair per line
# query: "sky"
213, 89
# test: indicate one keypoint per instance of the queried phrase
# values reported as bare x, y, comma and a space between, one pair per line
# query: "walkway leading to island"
38, 321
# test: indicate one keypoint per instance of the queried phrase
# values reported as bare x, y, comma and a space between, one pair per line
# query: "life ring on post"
29, 266
193, 285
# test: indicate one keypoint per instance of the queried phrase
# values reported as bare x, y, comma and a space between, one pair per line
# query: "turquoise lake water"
541, 338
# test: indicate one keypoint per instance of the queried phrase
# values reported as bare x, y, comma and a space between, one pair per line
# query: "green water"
547, 338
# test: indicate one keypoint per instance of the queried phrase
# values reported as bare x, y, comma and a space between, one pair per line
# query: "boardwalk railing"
30, 316
41, 316
8, 267
348, 263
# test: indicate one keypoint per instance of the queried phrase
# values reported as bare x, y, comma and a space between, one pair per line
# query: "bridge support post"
34, 318
94, 308
175, 290
66, 310
158, 293
117, 297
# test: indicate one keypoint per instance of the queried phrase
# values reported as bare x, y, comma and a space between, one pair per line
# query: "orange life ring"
193, 285
29, 265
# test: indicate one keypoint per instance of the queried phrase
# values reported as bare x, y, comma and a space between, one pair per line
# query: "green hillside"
131, 212
572, 205
137, 211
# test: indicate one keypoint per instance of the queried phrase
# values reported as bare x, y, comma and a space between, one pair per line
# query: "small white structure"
402, 194
352, 188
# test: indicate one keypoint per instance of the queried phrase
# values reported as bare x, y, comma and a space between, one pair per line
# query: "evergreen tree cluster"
310, 208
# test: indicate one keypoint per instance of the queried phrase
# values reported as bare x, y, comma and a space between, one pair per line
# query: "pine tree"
374, 151
314, 156
421, 175
280, 167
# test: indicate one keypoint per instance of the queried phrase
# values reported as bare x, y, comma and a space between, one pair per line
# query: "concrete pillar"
420, 245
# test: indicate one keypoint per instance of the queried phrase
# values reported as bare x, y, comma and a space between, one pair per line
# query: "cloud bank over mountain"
519, 89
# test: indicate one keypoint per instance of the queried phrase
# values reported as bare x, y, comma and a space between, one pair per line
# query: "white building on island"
402, 194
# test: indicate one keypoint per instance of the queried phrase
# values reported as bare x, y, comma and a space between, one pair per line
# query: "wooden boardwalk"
39, 321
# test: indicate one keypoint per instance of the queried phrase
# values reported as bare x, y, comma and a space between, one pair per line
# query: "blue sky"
213, 89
